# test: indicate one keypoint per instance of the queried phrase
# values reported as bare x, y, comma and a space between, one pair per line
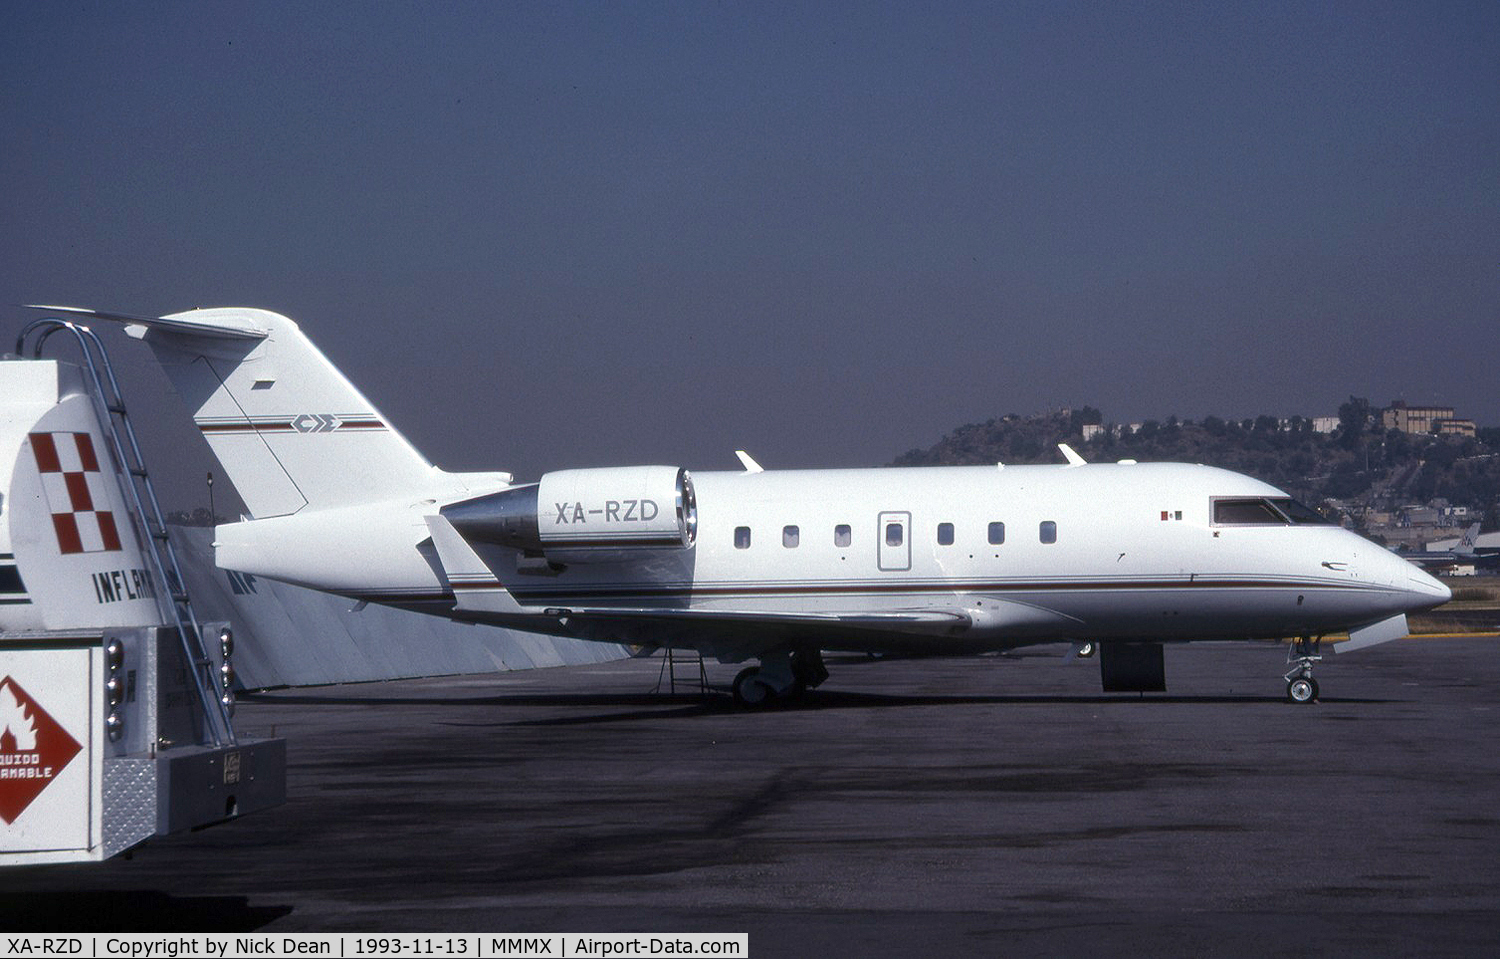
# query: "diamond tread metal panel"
129, 814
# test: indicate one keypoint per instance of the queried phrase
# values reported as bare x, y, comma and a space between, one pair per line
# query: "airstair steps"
145, 512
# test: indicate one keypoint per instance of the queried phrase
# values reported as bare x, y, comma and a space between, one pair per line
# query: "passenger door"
894, 537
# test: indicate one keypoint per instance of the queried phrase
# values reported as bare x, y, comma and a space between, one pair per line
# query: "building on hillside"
1425, 419
1456, 427
1412, 537
1419, 516
1325, 424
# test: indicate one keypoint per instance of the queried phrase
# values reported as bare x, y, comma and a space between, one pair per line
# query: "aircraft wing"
916, 620
476, 589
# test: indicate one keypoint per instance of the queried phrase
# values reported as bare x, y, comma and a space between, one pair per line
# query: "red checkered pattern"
75, 491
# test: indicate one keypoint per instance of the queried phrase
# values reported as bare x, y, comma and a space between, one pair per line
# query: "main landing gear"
781, 676
1300, 685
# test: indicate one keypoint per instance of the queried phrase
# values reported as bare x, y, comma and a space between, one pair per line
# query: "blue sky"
550, 235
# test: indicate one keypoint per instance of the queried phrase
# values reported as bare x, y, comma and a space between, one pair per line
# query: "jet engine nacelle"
587, 516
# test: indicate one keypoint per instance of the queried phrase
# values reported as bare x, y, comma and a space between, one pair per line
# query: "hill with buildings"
1400, 474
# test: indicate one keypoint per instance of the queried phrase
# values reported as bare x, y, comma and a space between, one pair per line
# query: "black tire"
749, 691
1301, 689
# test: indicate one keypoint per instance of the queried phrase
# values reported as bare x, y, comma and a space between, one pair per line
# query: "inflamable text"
118, 585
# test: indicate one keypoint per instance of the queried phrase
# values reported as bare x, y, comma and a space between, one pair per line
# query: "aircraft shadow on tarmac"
131, 910
820, 700
719, 702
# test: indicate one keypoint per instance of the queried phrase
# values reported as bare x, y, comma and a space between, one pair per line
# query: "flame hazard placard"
33, 749
45, 774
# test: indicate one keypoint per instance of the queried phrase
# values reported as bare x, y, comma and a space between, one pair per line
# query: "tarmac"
995, 805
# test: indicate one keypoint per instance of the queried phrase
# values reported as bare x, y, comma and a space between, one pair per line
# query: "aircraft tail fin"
1466, 544
289, 429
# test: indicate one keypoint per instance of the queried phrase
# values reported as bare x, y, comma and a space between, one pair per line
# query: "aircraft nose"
1426, 590
1433, 587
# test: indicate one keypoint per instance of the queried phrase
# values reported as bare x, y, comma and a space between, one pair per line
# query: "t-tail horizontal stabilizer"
225, 325
290, 430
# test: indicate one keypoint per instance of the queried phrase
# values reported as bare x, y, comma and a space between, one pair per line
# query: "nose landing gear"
1303, 653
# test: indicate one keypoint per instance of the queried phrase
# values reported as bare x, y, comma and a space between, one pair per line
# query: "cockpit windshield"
1300, 513
1264, 511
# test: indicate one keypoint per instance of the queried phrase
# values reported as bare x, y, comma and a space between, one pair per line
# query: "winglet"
750, 465
1071, 456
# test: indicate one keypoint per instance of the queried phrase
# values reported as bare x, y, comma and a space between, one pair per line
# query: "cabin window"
742, 537
945, 534
894, 535
789, 536
997, 534
1049, 531
842, 535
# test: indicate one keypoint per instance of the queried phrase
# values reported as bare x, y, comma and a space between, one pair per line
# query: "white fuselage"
771, 565
1133, 553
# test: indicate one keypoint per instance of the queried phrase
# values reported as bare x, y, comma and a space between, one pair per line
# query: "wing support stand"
682, 668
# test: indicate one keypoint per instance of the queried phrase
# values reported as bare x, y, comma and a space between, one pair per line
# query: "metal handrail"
172, 596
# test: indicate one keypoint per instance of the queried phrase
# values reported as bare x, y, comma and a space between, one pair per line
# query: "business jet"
766, 565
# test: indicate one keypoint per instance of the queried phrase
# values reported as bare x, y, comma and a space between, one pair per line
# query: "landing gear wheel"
1302, 689
1304, 653
749, 690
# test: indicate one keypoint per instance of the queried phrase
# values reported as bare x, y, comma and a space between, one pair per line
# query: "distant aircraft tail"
1466, 545
288, 428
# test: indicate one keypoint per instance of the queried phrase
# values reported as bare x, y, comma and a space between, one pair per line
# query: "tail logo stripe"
302, 423
315, 423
